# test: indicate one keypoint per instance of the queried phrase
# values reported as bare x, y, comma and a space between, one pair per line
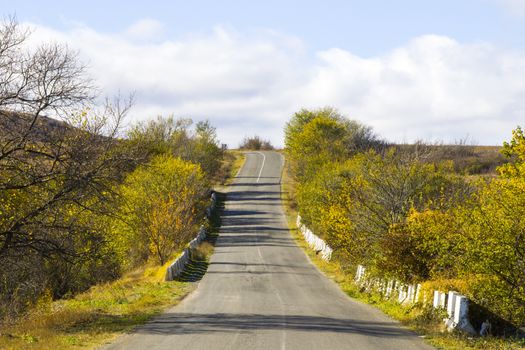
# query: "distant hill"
468, 159
13, 125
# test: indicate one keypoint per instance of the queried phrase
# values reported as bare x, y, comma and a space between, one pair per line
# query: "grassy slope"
417, 318
96, 316
239, 158
233, 160
108, 310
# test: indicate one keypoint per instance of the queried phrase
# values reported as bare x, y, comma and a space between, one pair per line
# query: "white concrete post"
410, 293
442, 299
451, 303
360, 272
461, 315
451, 308
387, 288
402, 293
384, 286
457, 308
418, 292
436, 299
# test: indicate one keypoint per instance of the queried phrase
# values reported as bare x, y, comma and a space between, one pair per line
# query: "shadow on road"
253, 227
256, 177
194, 271
225, 323
243, 237
257, 225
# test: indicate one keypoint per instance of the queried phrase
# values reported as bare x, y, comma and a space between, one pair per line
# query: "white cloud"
145, 29
433, 87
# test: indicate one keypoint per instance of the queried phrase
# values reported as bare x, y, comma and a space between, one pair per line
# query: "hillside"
16, 124
468, 159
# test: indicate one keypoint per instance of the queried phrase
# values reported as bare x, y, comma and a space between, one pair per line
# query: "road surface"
261, 291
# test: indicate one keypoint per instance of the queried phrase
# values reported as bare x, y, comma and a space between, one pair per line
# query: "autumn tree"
355, 204
493, 234
424, 247
405, 212
57, 175
62, 168
180, 138
515, 152
314, 138
162, 203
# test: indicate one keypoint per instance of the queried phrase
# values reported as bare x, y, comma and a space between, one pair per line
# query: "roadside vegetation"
232, 163
96, 316
409, 212
255, 143
90, 213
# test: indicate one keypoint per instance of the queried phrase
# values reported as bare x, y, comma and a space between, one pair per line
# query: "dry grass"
232, 162
203, 251
96, 316
237, 164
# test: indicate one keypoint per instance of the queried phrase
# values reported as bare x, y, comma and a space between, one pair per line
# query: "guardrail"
454, 303
314, 241
177, 267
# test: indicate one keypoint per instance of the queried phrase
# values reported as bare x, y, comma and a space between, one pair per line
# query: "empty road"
261, 291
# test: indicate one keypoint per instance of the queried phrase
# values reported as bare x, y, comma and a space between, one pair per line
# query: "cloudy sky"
438, 70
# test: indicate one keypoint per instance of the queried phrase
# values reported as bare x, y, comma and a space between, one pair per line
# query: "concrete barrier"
176, 268
439, 299
457, 311
454, 303
314, 242
360, 274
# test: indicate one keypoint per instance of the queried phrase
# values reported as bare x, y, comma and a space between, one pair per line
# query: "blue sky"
435, 70
365, 27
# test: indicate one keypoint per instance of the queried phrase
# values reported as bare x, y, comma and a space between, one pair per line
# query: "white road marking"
262, 166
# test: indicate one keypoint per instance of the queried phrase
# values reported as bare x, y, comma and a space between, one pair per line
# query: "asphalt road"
262, 292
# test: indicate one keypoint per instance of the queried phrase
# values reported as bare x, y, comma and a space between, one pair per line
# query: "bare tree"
57, 175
